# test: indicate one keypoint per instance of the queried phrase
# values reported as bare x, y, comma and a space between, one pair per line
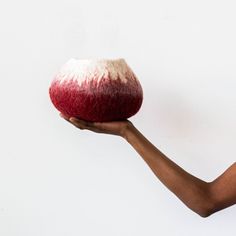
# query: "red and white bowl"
96, 90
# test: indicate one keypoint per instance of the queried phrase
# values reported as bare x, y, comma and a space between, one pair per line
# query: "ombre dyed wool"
96, 90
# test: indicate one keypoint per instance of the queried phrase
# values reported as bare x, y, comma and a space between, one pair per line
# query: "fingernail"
63, 116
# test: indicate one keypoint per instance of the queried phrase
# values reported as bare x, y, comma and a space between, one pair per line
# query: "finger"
80, 126
64, 116
80, 122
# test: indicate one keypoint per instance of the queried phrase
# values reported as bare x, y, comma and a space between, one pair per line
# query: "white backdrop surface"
58, 180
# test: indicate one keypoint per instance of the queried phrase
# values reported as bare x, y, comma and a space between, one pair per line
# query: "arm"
202, 197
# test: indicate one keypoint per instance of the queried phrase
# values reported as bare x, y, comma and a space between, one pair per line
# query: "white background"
58, 180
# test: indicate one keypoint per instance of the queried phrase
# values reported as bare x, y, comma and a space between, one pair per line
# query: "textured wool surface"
101, 90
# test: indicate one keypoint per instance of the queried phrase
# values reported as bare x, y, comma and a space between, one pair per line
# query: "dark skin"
204, 198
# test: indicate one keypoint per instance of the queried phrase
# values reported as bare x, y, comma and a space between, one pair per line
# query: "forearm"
190, 190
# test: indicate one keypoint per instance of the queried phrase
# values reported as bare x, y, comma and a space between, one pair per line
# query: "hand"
114, 127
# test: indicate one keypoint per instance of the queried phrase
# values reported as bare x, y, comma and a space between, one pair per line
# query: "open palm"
112, 127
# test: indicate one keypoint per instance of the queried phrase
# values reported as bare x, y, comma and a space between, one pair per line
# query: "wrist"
128, 131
